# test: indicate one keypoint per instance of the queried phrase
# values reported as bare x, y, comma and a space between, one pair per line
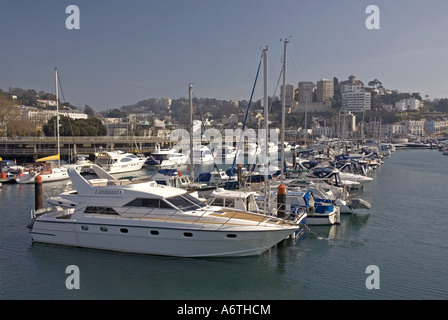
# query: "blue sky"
126, 51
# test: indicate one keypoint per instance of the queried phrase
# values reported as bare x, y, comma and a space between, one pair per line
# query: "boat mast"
266, 109
282, 158
190, 86
57, 115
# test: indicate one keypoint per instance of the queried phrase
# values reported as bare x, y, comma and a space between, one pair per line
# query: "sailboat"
45, 167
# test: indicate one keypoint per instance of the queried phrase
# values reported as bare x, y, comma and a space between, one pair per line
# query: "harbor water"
403, 235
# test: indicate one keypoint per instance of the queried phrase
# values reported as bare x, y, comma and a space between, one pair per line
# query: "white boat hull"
28, 177
125, 168
158, 240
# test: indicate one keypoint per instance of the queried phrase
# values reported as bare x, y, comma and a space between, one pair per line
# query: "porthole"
231, 235
85, 228
124, 230
104, 229
188, 234
154, 232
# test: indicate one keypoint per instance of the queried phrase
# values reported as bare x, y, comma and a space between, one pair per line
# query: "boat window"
126, 159
186, 202
165, 205
100, 210
141, 202
217, 202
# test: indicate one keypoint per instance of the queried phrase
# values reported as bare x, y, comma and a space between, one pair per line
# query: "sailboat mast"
283, 113
191, 133
57, 115
266, 110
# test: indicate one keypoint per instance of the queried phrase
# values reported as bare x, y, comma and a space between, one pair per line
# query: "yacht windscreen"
185, 202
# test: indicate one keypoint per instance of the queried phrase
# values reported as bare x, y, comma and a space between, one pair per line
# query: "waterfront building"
415, 127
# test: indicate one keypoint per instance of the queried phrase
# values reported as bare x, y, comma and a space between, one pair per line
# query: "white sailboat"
48, 171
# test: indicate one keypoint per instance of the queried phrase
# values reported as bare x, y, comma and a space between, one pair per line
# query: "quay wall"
32, 148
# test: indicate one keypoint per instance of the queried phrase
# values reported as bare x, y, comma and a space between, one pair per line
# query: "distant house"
408, 104
48, 103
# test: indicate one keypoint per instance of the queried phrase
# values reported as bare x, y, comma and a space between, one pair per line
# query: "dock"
32, 148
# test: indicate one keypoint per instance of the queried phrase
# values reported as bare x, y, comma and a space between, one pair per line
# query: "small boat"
49, 171
118, 161
146, 218
166, 158
201, 154
318, 213
224, 153
217, 178
416, 144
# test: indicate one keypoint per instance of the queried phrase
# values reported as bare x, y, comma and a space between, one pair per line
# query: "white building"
415, 127
39, 115
434, 127
408, 104
354, 96
50, 103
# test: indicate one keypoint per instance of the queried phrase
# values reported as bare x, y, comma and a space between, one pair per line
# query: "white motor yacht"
118, 161
143, 217
166, 158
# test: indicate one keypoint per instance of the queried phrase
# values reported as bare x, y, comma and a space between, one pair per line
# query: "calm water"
404, 234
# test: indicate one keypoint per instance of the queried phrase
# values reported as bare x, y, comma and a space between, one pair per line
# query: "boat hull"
180, 242
25, 178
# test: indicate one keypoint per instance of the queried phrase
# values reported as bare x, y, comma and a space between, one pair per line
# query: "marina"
402, 233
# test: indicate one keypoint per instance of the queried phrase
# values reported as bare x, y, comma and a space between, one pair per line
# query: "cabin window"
124, 230
188, 234
186, 202
103, 229
154, 232
218, 202
231, 235
100, 210
165, 205
84, 228
142, 202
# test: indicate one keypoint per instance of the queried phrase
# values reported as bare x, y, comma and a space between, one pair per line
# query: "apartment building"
355, 98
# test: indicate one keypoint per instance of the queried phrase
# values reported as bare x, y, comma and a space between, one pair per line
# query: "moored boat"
118, 161
152, 219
